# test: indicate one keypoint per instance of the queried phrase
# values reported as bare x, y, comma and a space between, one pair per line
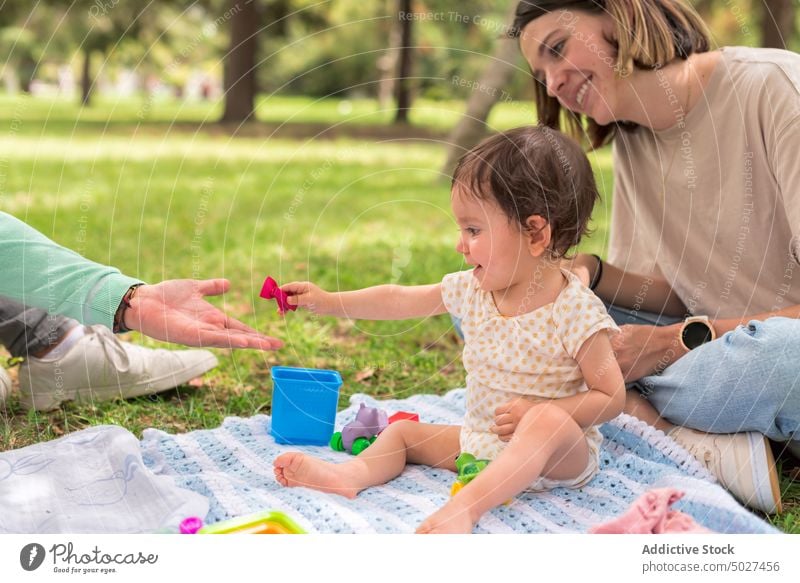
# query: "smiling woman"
614, 38
705, 221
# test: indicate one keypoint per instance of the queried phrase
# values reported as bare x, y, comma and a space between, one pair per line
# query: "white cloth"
90, 481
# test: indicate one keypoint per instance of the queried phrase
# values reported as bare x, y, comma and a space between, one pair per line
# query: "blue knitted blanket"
232, 467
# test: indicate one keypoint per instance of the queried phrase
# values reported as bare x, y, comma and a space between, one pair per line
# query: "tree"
21, 39
387, 64
240, 62
494, 80
777, 23
405, 61
19, 46
98, 28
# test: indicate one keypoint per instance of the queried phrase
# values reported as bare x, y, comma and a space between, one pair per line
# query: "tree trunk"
387, 63
86, 78
403, 84
240, 62
777, 23
489, 89
27, 70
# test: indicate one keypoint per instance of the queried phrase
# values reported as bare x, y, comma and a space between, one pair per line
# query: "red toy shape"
270, 291
403, 415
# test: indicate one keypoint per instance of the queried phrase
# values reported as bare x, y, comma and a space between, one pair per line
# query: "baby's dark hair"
533, 170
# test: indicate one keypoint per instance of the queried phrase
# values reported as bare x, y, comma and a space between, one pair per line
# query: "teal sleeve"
40, 273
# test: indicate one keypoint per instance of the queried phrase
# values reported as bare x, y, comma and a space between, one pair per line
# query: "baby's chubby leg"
401, 443
548, 442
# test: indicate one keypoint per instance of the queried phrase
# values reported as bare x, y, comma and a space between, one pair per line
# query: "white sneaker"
742, 462
101, 367
5, 385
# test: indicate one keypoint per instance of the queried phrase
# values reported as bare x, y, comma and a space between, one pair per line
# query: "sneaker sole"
773, 504
45, 401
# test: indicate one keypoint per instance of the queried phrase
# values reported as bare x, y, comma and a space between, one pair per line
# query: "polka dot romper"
531, 354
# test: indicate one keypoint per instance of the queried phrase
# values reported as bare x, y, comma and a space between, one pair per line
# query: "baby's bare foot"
297, 469
451, 518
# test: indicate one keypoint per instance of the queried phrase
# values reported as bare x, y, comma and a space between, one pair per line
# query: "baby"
541, 374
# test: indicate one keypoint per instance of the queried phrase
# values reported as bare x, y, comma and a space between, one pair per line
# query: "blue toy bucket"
304, 403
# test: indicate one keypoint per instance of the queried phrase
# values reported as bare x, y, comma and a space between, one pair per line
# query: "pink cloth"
651, 514
270, 290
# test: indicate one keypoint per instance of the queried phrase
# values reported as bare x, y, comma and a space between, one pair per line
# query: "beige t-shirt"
726, 234
532, 354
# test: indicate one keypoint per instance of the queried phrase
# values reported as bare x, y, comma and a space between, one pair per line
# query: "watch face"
696, 334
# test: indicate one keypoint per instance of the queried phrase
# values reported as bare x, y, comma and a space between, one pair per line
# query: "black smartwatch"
696, 331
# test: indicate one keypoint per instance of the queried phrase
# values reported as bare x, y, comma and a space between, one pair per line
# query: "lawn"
160, 192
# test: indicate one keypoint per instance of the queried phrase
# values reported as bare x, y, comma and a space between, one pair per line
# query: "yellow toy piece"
268, 522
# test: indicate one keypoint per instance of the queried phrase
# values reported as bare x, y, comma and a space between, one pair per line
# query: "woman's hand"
508, 415
305, 294
646, 350
176, 311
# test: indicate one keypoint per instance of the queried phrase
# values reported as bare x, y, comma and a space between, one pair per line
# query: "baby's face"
496, 247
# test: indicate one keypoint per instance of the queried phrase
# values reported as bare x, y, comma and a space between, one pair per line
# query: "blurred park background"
295, 138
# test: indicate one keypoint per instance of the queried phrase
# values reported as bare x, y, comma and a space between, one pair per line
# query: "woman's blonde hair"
648, 34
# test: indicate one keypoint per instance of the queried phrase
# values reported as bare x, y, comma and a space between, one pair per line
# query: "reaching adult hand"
644, 350
176, 311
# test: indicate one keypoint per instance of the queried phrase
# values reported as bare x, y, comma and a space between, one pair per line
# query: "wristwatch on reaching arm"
696, 331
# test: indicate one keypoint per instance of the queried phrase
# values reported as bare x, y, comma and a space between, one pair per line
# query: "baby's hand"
305, 294
508, 415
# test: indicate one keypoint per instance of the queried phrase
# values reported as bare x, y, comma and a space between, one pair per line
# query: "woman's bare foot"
297, 469
452, 518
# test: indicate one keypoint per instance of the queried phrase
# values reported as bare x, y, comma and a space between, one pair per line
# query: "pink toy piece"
190, 525
270, 291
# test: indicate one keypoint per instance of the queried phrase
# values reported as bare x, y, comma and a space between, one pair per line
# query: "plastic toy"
267, 522
468, 467
270, 290
403, 416
304, 402
357, 435
190, 525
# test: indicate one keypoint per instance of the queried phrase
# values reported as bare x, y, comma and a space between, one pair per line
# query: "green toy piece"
336, 441
360, 444
468, 467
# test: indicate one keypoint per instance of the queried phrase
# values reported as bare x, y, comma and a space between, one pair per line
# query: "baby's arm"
383, 302
606, 395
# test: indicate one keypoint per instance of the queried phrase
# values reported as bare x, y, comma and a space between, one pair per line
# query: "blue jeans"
25, 330
746, 380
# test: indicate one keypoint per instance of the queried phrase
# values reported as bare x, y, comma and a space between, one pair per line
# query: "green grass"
160, 200
159, 192
112, 115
